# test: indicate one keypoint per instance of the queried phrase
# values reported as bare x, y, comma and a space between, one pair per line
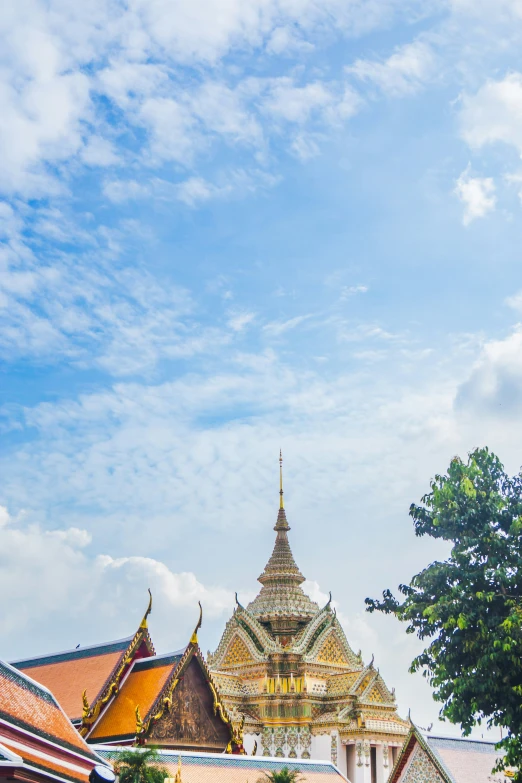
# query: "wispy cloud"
277, 328
408, 69
477, 194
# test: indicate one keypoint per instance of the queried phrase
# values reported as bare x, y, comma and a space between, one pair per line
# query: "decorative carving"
359, 752
366, 752
305, 741
279, 741
385, 755
292, 739
237, 653
421, 769
332, 651
191, 718
334, 749
267, 740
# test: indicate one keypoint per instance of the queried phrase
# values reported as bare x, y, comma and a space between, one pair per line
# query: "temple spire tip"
281, 501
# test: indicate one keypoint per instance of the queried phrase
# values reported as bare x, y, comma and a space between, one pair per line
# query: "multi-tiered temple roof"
282, 606
285, 663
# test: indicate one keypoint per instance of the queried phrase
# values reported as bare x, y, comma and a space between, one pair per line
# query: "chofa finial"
194, 637
143, 623
281, 502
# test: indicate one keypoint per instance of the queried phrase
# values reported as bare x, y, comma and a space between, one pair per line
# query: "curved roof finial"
143, 623
281, 502
237, 602
194, 637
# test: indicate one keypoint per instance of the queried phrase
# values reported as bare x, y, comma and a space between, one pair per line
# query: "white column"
379, 758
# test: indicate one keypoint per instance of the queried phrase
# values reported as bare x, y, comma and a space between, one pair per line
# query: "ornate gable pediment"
191, 720
252, 634
237, 653
332, 651
373, 690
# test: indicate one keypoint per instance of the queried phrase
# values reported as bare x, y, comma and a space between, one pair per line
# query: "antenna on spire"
281, 503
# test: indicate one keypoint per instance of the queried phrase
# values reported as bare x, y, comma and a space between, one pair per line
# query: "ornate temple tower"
285, 664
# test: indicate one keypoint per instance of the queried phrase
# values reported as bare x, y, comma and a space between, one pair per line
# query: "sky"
233, 227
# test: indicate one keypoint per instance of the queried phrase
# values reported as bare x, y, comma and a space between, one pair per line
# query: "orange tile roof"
142, 687
68, 674
26, 704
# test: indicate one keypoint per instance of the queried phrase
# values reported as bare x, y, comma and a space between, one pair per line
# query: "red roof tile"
68, 674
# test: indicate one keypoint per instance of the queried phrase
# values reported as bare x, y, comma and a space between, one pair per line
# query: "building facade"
427, 758
285, 664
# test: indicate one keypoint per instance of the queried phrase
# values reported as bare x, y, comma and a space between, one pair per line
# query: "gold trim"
143, 623
91, 715
194, 637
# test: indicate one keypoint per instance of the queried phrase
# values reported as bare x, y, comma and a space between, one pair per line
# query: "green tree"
285, 775
468, 608
139, 766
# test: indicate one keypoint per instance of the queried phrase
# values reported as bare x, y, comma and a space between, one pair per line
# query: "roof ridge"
77, 651
29, 681
254, 760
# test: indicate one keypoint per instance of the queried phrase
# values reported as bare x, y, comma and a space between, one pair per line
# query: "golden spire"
194, 637
281, 503
143, 623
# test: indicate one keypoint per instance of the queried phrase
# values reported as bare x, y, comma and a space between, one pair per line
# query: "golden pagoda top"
281, 602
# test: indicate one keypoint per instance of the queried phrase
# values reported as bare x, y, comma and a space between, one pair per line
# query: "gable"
140, 689
332, 651
191, 721
420, 769
237, 653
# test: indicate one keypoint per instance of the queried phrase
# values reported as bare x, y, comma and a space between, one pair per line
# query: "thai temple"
284, 683
284, 663
122, 693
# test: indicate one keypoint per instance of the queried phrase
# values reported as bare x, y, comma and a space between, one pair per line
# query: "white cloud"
119, 190
288, 101
240, 320
99, 152
477, 194
284, 41
350, 290
196, 190
515, 301
42, 568
276, 328
81, 308
408, 69
61, 63
494, 113
494, 387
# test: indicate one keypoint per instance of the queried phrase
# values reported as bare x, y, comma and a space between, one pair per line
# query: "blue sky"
233, 227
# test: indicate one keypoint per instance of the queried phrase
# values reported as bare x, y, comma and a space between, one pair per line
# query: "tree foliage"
139, 766
468, 608
285, 775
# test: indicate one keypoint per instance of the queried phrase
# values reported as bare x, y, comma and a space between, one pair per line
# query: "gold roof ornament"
177, 779
143, 623
85, 705
194, 637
